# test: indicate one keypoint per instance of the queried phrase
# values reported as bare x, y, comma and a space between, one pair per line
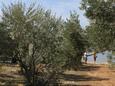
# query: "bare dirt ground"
10, 75
88, 75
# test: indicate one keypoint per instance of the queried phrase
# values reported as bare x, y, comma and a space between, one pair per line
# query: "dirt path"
90, 75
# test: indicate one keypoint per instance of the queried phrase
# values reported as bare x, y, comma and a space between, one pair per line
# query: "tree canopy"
101, 31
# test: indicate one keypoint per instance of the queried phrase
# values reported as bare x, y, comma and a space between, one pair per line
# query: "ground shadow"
82, 76
79, 78
10, 80
89, 68
71, 77
6, 76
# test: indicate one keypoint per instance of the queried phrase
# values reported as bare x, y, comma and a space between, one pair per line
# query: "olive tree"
39, 41
74, 41
101, 31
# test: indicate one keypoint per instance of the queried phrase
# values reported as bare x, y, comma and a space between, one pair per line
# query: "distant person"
85, 56
94, 56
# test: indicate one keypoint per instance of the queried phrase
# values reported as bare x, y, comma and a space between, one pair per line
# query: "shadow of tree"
10, 80
89, 68
71, 77
81, 76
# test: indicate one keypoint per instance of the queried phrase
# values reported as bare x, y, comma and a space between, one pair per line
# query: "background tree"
39, 41
75, 41
101, 31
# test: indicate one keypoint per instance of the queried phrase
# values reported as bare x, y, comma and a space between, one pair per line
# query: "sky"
59, 7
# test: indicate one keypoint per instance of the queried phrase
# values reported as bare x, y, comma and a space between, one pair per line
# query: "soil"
90, 75
10, 75
87, 75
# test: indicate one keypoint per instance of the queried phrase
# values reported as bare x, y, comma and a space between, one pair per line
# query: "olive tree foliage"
74, 41
101, 31
39, 41
6, 44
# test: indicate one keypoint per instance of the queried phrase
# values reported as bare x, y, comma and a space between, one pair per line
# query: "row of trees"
41, 43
